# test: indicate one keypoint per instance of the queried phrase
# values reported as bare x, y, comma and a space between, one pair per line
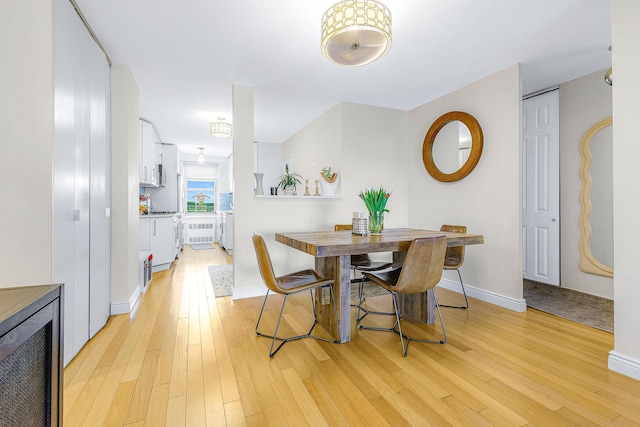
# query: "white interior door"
540, 186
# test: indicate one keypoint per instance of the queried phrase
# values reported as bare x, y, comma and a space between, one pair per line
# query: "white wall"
370, 140
26, 120
268, 161
318, 145
583, 103
125, 171
626, 191
488, 201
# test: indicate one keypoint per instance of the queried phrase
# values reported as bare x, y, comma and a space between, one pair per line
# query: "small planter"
328, 185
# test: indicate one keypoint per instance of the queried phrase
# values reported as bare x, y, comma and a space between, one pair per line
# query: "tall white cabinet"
81, 205
149, 155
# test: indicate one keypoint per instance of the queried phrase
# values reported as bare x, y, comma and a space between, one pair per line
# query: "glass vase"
376, 222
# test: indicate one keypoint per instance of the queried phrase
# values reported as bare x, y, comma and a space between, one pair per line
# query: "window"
201, 196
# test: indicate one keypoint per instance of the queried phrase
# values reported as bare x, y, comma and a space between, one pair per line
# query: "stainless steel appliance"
146, 258
178, 227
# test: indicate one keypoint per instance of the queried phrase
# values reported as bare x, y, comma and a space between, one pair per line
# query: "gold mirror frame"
589, 263
430, 138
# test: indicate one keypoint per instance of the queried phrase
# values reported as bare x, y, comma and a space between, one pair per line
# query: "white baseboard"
626, 365
242, 293
518, 305
123, 307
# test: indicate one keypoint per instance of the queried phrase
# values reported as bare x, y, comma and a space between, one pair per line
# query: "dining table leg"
419, 308
339, 269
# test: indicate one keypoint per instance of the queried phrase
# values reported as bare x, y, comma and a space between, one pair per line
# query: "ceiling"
186, 55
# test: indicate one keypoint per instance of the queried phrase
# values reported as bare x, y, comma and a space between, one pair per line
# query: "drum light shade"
356, 32
221, 128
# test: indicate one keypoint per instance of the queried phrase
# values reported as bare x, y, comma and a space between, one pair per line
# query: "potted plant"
289, 181
376, 202
328, 181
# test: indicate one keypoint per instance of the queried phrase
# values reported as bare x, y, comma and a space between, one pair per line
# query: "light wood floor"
188, 358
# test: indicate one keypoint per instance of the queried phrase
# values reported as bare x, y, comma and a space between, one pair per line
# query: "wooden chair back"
422, 267
455, 254
264, 265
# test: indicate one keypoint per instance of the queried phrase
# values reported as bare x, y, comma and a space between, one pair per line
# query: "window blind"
199, 170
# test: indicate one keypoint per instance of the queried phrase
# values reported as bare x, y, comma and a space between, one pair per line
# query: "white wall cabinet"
165, 197
157, 235
149, 155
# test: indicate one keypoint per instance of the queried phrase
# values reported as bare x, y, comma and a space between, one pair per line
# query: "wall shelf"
279, 197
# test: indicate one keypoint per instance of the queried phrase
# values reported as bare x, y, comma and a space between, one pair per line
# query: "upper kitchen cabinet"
165, 197
149, 155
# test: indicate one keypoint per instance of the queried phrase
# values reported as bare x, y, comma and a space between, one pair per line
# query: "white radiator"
204, 232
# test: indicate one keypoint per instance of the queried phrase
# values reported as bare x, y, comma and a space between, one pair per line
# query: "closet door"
80, 176
99, 191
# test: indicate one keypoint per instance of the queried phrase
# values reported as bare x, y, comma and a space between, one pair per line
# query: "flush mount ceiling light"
201, 155
356, 32
221, 128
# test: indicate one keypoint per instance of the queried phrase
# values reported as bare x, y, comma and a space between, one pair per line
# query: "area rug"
201, 246
583, 308
221, 279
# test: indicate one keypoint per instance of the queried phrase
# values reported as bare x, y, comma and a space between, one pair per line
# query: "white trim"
518, 305
252, 292
124, 307
626, 365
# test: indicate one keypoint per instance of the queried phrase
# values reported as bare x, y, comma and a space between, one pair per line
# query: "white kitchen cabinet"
157, 235
149, 155
165, 197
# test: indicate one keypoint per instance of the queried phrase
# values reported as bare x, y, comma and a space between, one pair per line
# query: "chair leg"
466, 301
397, 327
360, 307
283, 340
260, 315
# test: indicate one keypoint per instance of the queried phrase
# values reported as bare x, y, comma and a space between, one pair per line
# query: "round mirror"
452, 146
596, 217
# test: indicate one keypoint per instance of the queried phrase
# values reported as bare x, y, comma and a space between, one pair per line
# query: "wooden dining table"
332, 251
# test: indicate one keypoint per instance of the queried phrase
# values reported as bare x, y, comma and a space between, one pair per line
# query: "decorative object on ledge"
201, 155
328, 181
259, 189
317, 191
306, 188
356, 33
221, 128
376, 202
289, 181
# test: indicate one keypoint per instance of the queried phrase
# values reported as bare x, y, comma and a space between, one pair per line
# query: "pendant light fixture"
221, 128
201, 155
608, 77
356, 32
